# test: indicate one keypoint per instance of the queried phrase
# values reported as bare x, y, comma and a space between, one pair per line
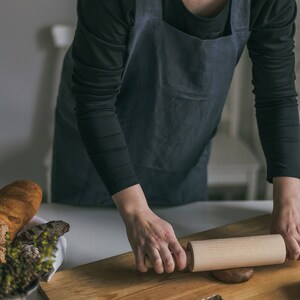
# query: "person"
141, 95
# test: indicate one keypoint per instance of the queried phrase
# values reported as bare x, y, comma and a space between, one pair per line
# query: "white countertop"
98, 233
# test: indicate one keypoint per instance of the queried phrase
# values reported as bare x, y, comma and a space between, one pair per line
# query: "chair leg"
251, 193
269, 191
48, 167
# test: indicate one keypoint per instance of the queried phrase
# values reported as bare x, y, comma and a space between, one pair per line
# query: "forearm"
99, 53
279, 131
271, 46
105, 143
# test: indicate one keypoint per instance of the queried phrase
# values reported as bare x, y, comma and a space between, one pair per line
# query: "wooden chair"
62, 36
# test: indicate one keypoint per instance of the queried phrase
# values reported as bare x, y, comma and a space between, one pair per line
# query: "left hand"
286, 213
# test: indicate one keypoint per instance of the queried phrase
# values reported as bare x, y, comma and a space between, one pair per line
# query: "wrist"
131, 201
286, 190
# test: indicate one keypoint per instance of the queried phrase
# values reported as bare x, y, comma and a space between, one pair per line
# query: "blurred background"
31, 52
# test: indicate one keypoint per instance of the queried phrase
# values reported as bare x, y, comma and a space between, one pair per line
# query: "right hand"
286, 213
148, 234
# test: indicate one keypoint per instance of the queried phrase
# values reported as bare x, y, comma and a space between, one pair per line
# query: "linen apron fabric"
174, 87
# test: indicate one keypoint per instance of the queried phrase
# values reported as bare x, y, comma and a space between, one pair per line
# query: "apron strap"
240, 14
146, 9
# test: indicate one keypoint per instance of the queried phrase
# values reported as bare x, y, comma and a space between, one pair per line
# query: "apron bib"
174, 88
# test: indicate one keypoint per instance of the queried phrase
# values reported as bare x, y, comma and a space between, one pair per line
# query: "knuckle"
153, 242
140, 267
151, 239
169, 229
137, 246
169, 236
286, 234
290, 232
169, 263
179, 252
157, 261
296, 253
141, 243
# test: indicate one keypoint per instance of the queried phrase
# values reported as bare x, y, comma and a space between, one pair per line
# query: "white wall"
27, 67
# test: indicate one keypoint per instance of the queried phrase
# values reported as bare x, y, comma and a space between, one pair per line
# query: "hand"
286, 214
152, 236
148, 234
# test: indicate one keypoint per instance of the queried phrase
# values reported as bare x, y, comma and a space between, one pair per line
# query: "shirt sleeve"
270, 48
99, 53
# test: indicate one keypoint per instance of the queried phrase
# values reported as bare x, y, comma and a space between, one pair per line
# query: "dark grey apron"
173, 91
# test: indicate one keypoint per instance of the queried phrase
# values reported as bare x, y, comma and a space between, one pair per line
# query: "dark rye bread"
54, 228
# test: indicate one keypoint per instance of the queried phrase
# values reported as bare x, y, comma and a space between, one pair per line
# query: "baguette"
19, 202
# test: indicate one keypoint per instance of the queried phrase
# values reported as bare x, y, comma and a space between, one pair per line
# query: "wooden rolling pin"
229, 253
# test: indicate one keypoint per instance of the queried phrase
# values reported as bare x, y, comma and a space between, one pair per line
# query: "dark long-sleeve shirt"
99, 52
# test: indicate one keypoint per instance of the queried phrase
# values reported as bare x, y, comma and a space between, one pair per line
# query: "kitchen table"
98, 233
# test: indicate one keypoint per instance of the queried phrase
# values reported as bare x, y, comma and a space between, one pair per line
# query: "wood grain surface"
116, 277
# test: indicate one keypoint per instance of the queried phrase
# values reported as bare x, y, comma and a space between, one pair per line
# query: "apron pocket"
172, 138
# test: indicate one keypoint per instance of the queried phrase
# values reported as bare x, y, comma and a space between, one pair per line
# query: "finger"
167, 259
292, 247
155, 258
179, 255
139, 261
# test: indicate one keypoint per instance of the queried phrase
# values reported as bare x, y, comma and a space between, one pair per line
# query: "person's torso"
173, 91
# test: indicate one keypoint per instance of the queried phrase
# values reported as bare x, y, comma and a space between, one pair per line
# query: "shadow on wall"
29, 158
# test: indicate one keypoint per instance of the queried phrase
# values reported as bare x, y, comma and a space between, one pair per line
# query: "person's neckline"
201, 18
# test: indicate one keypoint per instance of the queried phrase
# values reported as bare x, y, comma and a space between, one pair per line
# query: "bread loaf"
3, 231
19, 202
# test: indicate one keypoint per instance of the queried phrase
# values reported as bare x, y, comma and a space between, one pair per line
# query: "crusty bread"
3, 231
19, 202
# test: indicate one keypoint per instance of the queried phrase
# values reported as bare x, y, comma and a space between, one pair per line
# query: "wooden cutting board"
116, 277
